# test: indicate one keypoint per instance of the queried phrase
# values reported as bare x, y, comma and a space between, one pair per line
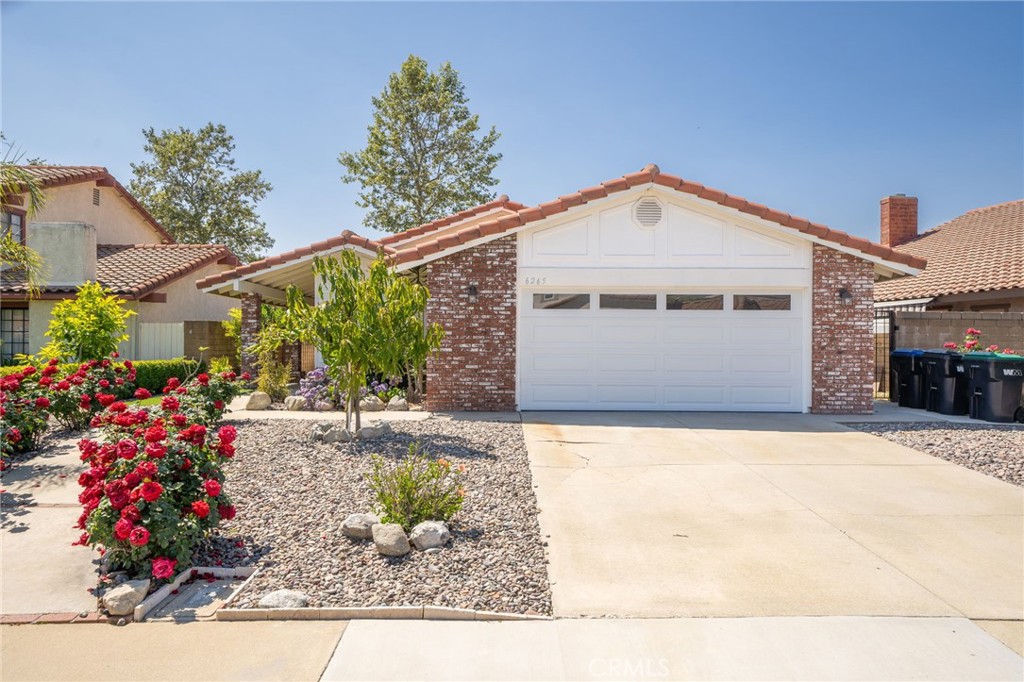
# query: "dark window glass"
629, 301
561, 301
694, 301
13, 333
761, 302
14, 224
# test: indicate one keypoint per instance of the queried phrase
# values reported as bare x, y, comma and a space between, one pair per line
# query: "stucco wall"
115, 220
186, 302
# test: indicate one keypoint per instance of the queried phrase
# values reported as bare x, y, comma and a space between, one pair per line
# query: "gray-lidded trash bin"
995, 382
945, 382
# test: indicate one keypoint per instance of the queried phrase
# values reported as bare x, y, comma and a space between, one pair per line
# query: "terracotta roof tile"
58, 176
134, 270
501, 202
982, 250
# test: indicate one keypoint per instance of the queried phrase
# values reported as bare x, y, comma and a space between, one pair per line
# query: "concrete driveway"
699, 514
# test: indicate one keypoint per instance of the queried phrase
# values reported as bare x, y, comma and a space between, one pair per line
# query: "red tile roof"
345, 238
501, 202
392, 244
652, 174
135, 270
982, 250
59, 176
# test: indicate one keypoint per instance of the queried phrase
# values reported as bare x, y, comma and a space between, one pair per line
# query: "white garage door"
714, 350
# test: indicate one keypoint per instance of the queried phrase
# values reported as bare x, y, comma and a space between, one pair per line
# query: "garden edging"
370, 613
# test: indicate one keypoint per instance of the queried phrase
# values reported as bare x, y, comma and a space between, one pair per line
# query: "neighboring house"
975, 261
647, 292
91, 228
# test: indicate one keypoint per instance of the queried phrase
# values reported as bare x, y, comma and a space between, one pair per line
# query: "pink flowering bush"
24, 413
155, 485
972, 344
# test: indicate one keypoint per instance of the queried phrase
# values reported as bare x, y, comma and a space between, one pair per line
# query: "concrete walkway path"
718, 515
41, 572
844, 648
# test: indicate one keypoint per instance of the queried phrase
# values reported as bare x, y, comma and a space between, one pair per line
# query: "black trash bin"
945, 382
906, 383
995, 382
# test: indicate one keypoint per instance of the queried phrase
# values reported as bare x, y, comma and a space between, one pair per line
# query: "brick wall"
475, 368
898, 219
208, 334
252, 305
932, 329
842, 334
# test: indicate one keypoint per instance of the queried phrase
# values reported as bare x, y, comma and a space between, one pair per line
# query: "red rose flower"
146, 469
151, 491
117, 407
119, 381
122, 529
227, 434
163, 567
139, 536
132, 513
46, 381
212, 487
142, 394
203, 379
106, 400
201, 509
173, 383
156, 450
226, 450
42, 402
28, 371
218, 404
13, 435
179, 419
127, 449
132, 479
155, 434
226, 511
246, 376
49, 371
104, 383
170, 403
186, 465
63, 385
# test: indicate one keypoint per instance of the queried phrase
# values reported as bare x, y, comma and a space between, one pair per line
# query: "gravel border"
993, 449
292, 496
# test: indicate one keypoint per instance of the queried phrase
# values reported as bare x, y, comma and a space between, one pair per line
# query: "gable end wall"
475, 369
842, 339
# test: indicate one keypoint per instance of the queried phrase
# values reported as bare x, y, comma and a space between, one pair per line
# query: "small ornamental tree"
87, 327
368, 321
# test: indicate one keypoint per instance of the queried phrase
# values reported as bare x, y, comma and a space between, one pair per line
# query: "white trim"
624, 197
908, 301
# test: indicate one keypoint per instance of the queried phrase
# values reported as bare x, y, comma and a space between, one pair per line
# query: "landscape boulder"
122, 600
397, 405
373, 431
284, 599
371, 403
326, 432
359, 526
294, 403
258, 400
430, 535
390, 539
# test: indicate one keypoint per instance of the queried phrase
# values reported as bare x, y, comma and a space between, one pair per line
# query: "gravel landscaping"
292, 496
989, 448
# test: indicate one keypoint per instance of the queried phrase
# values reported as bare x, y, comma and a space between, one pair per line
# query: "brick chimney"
899, 219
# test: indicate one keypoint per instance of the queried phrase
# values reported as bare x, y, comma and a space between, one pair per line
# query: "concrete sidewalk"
841, 648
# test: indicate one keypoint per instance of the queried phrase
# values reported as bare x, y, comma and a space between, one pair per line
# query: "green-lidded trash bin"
906, 383
945, 382
995, 382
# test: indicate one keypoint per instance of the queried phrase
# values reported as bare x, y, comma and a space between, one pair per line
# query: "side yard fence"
931, 329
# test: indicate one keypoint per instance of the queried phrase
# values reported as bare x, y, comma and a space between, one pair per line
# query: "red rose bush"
155, 484
24, 412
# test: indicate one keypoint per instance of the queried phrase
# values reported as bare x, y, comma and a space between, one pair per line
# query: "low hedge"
149, 374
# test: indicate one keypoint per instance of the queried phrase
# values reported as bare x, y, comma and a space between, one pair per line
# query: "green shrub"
417, 488
273, 377
87, 327
220, 365
152, 375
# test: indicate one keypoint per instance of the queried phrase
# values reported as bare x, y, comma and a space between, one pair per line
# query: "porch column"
252, 305
295, 359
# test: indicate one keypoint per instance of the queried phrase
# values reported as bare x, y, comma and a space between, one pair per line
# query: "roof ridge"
989, 208
501, 201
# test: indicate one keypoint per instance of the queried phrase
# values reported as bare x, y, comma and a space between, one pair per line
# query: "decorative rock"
284, 599
359, 526
397, 405
430, 535
390, 539
371, 403
326, 432
294, 403
373, 431
122, 600
258, 400
324, 406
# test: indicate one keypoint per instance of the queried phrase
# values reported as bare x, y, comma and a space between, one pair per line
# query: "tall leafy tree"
424, 157
16, 181
191, 185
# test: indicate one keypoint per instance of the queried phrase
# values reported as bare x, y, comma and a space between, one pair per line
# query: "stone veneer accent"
475, 369
252, 305
842, 338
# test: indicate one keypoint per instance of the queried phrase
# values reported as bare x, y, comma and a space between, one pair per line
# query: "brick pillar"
294, 354
899, 219
252, 305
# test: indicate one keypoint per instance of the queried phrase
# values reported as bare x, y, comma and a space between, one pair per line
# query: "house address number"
536, 280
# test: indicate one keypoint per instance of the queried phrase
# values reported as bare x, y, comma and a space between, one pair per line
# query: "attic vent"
95, 196
647, 213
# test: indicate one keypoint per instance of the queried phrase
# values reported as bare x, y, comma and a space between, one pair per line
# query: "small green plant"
220, 365
274, 375
87, 327
417, 488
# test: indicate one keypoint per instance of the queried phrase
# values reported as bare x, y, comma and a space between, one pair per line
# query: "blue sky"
815, 109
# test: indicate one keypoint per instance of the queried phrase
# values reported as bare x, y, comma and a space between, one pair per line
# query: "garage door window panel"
561, 301
694, 302
762, 302
629, 301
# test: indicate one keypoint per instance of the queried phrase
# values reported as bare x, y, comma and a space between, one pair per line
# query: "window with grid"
13, 333
13, 223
